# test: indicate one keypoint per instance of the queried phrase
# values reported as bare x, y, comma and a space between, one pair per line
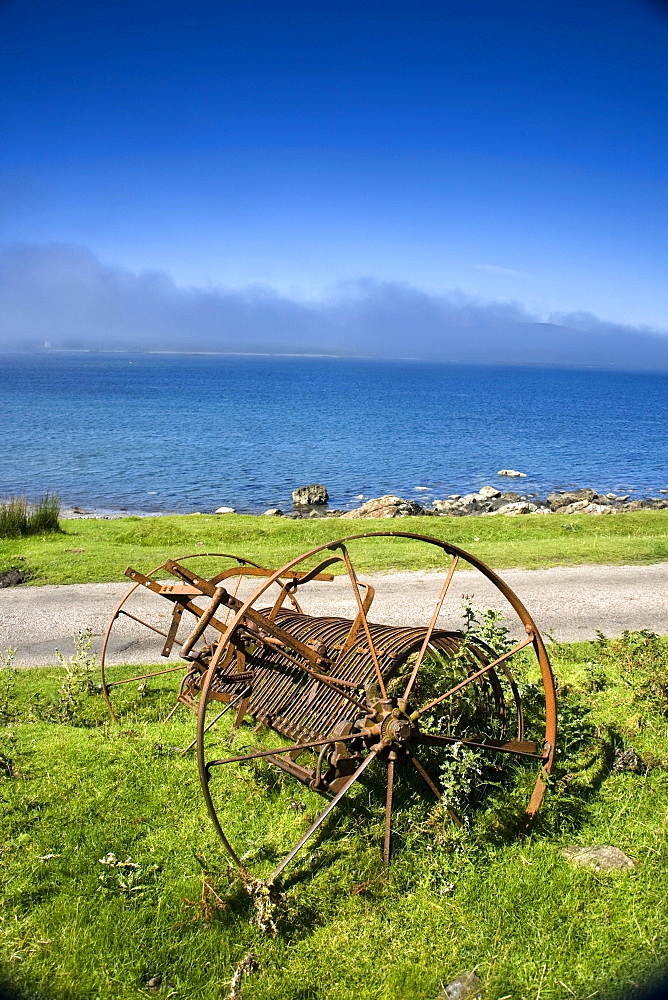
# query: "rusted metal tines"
344, 692
347, 691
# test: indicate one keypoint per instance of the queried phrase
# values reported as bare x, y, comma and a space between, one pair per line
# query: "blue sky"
504, 152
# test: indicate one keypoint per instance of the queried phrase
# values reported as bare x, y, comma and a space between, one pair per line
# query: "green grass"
97, 551
73, 929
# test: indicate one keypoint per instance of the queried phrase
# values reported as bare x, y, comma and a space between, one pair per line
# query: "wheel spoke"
362, 617
520, 748
272, 753
322, 817
432, 625
472, 677
140, 621
429, 781
387, 839
210, 725
145, 677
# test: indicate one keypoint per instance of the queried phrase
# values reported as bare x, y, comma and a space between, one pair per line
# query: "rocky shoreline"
487, 502
313, 502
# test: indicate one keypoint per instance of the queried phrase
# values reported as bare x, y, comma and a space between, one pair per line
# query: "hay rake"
347, 693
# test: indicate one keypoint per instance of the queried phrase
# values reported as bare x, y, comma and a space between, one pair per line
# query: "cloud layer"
65, 295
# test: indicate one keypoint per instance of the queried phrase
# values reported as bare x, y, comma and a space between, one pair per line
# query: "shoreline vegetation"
96, 550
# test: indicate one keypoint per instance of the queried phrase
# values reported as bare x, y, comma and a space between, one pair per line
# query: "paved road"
569, 602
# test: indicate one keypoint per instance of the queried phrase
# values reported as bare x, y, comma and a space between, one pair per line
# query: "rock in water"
303, 496
387, 506
512, 472
602, 858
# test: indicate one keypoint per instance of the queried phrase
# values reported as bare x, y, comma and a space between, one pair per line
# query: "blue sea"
179, 432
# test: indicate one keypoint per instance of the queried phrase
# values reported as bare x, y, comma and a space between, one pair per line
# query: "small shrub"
18, 517
641, 658
79, 683
14, 517
7, 684
127, 878
43, 516
80, 671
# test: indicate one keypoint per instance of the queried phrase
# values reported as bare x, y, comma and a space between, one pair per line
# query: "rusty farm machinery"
330, 696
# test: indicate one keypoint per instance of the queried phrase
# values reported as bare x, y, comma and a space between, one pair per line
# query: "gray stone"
488, 492
599, 508
387, 506
513, 473
626, 759
225, 510
273, 512
513, 509
571, 508
316, 493
564, 499
465, 987
602, 858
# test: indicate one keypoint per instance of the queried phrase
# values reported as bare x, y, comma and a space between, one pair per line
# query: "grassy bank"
98, 551
78, 790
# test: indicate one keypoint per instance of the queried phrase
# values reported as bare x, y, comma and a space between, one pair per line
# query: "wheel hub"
395, 726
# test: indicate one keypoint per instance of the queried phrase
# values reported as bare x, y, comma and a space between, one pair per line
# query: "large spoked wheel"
335, 694
140, 662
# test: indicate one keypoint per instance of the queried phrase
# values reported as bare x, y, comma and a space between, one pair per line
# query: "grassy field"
84, 800
98, 551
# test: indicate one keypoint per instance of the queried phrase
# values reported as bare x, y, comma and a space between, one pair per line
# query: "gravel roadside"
569, 602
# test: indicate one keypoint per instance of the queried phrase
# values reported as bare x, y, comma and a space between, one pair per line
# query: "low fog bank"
66, 296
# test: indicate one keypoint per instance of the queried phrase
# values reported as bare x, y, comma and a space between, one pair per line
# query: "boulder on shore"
565, 499
387, 506
304, 496
519, 507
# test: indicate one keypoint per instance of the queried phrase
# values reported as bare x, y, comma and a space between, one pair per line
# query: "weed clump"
18, 517
79, 683
641, 659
